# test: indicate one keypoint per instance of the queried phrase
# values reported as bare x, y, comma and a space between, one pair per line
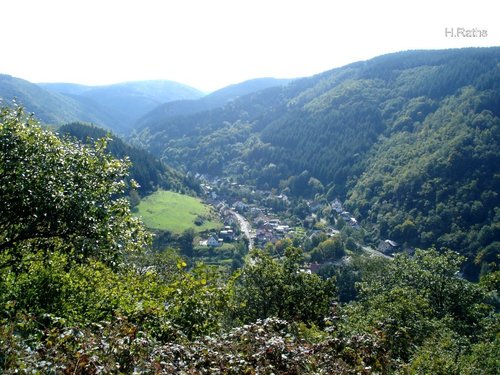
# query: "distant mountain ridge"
65, 88
213, 100
115, 107
50, 107
161, 91
127, 101
123, 106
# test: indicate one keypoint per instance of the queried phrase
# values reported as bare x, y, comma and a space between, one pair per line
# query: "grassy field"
166, 210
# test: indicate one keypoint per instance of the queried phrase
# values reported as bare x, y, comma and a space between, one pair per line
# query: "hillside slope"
146, 170
50, 107
410, 139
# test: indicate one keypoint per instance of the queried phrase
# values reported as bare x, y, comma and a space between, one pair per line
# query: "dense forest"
145, 169
81, 291
438, 182
410, 140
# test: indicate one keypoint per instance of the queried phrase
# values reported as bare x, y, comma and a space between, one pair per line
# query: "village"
262, 217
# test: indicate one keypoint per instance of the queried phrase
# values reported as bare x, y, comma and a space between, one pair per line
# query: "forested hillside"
410, 139
146, 170
437, 181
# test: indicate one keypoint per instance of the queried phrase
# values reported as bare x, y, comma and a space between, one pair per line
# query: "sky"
209, 44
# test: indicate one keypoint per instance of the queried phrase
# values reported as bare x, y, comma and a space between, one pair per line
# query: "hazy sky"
212, 43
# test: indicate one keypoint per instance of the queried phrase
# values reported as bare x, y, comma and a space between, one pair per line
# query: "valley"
409, 141
343, 223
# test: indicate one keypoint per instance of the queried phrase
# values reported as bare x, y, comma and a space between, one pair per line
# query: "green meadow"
166, 210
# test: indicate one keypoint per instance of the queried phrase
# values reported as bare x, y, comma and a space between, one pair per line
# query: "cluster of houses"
265, 227
227, 234
269, 230
384, 246
209, 191
348, 218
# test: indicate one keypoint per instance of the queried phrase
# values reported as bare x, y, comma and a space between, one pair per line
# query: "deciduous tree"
58, 194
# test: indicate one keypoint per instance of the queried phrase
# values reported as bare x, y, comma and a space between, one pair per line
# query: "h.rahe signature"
464, 32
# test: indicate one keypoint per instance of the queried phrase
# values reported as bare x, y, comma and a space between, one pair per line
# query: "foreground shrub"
119, 346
